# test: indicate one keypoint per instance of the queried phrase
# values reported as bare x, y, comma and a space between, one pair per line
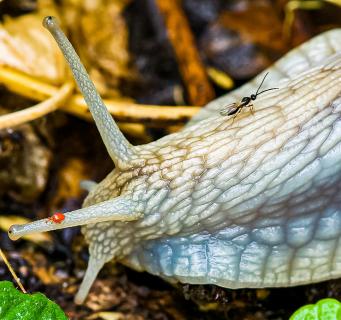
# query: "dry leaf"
244, 41
24, 161
99, 33
27, 47
69, 176
107, 316
41, 268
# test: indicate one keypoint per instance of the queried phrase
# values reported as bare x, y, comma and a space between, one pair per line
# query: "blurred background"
156, 62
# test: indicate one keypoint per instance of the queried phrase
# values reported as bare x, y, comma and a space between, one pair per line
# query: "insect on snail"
256, 204
236, 108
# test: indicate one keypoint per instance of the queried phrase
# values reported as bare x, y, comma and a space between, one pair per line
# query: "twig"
39, 110
181, 37
125, 111
12, 271
290, 8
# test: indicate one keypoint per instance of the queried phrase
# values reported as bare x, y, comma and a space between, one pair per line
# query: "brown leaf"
41, 267
24, 162
245, 40
69, 176
99, 33
27, 47
107, 316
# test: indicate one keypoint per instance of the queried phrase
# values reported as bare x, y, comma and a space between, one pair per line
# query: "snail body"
253, 202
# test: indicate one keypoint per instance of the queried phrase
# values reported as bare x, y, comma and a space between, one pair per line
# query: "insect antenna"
257, 92
267, 90
261, 84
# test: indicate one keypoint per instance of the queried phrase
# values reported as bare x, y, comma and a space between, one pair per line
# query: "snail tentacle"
118, 209
88, 185
119, 148
94, 266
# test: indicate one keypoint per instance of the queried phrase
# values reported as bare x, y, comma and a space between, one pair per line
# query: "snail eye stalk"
119, 149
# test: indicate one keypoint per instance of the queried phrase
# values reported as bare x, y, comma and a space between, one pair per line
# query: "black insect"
236, 107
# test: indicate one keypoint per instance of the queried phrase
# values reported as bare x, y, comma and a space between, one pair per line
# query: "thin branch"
125, 111
199, 89
39, 110
16, 278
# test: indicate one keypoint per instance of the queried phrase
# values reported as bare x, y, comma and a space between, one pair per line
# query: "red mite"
57, 217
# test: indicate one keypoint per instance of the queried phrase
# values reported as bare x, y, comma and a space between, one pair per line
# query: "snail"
253, 202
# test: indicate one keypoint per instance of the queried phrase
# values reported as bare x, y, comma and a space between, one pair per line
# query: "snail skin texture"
253, 202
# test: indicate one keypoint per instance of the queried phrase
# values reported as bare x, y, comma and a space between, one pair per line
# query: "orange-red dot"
57, 217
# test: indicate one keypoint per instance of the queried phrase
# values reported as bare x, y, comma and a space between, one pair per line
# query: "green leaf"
15, 305
325, 309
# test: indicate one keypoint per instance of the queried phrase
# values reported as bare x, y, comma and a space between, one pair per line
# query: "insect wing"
229, 109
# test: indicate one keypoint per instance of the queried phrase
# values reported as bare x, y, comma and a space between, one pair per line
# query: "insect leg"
236, 113
252, 109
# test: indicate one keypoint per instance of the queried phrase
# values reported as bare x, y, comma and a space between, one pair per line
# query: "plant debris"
143, 56
199, 89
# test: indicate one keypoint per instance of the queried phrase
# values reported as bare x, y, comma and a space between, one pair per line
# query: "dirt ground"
42, 162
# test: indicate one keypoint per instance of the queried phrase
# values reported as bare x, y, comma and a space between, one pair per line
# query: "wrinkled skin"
253, 203
246, 202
